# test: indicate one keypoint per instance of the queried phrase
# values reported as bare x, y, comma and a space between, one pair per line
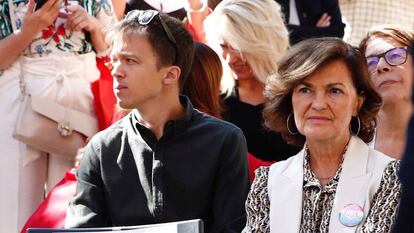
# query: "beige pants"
26, 172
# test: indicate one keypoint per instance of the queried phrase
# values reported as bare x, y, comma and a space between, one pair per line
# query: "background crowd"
316, 94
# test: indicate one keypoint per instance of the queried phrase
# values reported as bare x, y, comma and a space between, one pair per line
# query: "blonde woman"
251, 37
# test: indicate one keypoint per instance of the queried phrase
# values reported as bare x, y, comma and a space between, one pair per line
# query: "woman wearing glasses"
389, 64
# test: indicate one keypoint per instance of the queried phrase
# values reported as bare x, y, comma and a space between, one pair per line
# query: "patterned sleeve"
5, 25
258, 203
382, 214
104, 12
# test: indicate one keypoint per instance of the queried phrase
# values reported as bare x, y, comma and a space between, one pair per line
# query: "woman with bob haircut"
322, 99
389, 63
251, 37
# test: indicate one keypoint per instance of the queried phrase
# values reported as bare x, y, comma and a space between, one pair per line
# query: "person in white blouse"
321, 98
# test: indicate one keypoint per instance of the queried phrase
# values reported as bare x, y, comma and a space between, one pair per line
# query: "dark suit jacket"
405, 218
309, 12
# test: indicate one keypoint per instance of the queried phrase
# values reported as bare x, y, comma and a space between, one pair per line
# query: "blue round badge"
351, 215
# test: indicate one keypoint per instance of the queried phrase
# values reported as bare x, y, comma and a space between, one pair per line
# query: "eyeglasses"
145, 17
393, 57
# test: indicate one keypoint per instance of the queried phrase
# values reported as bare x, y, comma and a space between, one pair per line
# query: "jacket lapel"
353, 183
299, 10
285, 190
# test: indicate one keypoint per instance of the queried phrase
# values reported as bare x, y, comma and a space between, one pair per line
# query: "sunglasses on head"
393, 57
145, 17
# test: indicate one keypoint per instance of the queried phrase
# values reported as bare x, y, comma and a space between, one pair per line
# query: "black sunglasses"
393, 57
145, 17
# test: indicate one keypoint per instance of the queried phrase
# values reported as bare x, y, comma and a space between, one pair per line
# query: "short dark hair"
304, 59
167, 54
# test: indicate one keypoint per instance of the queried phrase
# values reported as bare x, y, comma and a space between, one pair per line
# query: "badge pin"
351, 215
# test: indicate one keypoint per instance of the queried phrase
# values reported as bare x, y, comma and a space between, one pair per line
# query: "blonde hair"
254, 27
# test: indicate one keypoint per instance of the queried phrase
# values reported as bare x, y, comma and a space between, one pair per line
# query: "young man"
164, 161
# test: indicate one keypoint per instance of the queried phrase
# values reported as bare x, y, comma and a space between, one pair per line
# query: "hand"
324, 21
79, 19
79, 156
35, 21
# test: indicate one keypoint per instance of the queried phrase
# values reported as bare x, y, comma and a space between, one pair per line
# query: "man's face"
137, 79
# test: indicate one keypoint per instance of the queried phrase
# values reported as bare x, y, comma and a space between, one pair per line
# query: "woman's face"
236, 61
394, 83
324, 103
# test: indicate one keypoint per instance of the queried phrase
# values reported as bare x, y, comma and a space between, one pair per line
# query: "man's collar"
171, 127
174, 127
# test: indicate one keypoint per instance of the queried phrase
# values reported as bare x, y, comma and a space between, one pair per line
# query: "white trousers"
26, 172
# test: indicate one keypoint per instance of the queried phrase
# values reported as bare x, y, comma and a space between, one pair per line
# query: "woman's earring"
287, 125
359, 125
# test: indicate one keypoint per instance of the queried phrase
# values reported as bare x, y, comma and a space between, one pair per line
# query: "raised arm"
197, 12
79, 20
34, 21
119, 8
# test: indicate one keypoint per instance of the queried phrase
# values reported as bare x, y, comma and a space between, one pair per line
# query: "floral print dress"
57, 38
59, 64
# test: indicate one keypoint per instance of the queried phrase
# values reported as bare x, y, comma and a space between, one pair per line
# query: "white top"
362, 170
293, 13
